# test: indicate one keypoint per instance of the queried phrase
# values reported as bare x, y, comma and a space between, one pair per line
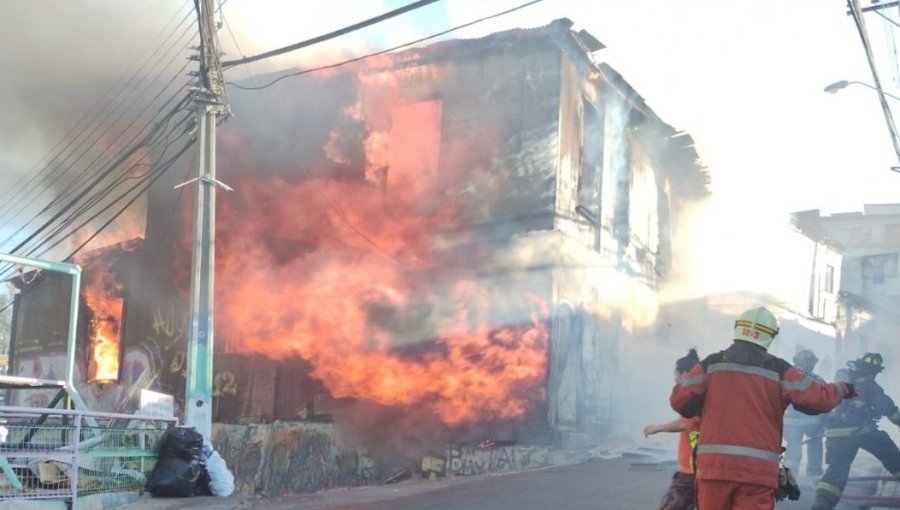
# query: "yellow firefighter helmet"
757, 326
868, 363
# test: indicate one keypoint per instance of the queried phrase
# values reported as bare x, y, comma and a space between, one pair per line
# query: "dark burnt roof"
678, 158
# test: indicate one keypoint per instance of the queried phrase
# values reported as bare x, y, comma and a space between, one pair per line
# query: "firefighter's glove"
850, 390
787, 485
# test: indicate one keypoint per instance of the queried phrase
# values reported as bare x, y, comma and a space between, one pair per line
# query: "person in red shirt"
681, 492
741, 394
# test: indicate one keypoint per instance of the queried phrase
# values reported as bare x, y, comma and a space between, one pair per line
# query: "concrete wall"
290, 458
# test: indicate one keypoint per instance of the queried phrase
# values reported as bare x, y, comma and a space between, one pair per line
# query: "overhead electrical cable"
330, 35
108, 100
885, 107
87, 180
123, 176
129, 128
149, 175
123, 156
132, 194
85, 173
382, 52
152, 178
149, 85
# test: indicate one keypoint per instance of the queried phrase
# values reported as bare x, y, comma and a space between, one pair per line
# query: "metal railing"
60, 453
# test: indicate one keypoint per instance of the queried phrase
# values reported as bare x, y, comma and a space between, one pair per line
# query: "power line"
74, 252
98, 197
382, 52
103, 104
331, 35
141, 186
863, 35
97, 176
122, 157
136, 191
328, 202
85, 173
888, 18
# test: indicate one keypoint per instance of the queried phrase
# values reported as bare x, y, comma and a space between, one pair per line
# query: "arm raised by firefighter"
676, 425
885, 406
811, 396
689, 393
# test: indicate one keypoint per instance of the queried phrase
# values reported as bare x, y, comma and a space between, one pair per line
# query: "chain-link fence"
58, 453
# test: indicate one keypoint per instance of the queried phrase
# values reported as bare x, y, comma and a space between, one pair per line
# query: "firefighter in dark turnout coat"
741, 394
798, 425
853, 425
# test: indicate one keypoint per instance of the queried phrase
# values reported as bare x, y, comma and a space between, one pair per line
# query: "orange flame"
102, 293
366, 279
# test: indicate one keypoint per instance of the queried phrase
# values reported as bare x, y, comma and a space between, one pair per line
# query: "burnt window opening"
414, 146
829, 278
590, 179
103, 298
105, 340
878, 267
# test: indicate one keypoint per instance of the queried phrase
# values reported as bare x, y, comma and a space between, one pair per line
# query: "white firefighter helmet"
757, 326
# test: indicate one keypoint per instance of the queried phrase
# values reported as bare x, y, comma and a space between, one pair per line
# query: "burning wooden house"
445, 245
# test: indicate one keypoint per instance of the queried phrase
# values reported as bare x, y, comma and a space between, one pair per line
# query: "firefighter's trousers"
794, 435
721, 494
840, 454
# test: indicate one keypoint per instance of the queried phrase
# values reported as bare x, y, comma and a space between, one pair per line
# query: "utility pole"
210, 104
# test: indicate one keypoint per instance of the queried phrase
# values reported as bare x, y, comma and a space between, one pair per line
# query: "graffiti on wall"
242, 447
138, 370
465, 461
289, 458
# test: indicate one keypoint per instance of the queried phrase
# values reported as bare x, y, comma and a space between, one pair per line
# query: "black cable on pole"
64, 167
98, 109
382, 52
885, 107
102, 172
169, 164
100, 195
141, 186
122, 157
72, 186
888, 19
92, 200
331, 35
72, 218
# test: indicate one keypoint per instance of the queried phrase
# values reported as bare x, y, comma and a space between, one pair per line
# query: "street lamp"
838, 85
833, 88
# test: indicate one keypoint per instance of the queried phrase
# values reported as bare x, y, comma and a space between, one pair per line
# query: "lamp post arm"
864, 84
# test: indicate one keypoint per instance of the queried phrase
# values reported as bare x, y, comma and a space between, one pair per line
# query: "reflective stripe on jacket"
741, 394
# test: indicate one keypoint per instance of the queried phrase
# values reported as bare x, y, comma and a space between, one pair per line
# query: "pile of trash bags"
189, 466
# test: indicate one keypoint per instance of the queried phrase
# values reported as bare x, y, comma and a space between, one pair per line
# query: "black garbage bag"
179, 465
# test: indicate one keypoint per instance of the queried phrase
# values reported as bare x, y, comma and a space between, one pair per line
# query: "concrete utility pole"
210, 104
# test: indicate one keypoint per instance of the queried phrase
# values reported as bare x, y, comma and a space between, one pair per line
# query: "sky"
745, 78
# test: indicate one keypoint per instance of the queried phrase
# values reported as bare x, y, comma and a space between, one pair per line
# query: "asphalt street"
623, 483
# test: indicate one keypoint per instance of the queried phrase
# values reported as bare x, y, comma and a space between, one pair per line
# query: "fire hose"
865, 499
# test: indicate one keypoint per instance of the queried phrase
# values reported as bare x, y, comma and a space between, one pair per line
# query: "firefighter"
681, 492
741, 394
798, 425
853, 425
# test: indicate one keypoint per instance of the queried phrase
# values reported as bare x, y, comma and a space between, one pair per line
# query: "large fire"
102, 293
376, 280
